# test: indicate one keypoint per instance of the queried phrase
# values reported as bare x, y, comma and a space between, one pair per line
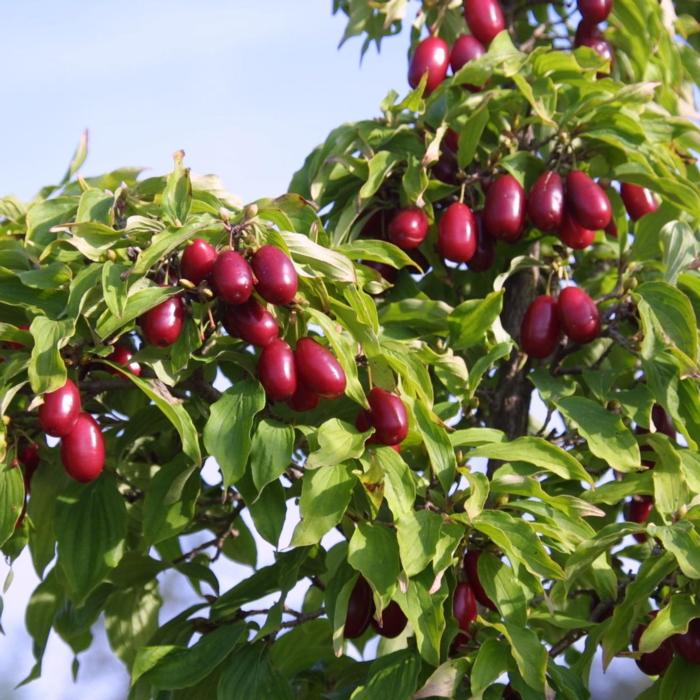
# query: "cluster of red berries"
588, 33
686, 645
361, 612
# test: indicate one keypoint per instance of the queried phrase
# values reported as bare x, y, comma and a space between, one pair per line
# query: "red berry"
540, 329
662, 421
485, 252
121, 355
432, 56
587, 202
471, 561
579, 315
83, 450
657, 661
573, 234
545, 203
251, 322
602, 48
232, 277
457, 235
638, 510
484, 18
28, 457
611, 228
60, 410
318, 369
303, 399
408, 228
688, 644
638, 201
276, 276
276, 371
197, 260
388, 417
393, 621
467, 48
452, 140
359, 610
595, 10
162, 325
586, 31
388, 272
464, 606
504, 212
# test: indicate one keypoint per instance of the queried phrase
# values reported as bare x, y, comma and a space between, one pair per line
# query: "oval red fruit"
587, 202
688, 644
638, 510
639, 201
432, 56
504, 211
277, 371
586, 31
573, 234
198, 260
471, 562
304, 399
121, 355
655, 662
540, 329
464, 606
545, 203
359, 610
318, 369
485, 252
484, 18
162, 325
662, 421
467, 48
408, 228
276, 277
28, 457
595, 11
251, 322
388, 416
83, 450
232, 277
579, 315
60, 410
393, 621
457, 233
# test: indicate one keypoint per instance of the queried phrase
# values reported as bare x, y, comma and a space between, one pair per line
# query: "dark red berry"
484, 18
638, 510
586, 31
359, 610
393, 621
688, 644
60, 410
504, 211
83, 450
277, 370
232, 277
485, 252
28, 457
162, 325
587, 202
655, 662
579, 315
662, 421
595, 10
545, 203
121, 355
275, 274
540, 330
471, 561
452, 140
318, 369
408, 228
251, 322
304, 399
388, 416
197, 260
467, 48
457, 234
638, 201
388, 272
464, 606
573, 234
432, 56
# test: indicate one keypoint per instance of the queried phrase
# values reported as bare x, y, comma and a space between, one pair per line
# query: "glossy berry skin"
464, 606
60, 410
232, 277
393, 621
303, 400
275, 274
662, 421
162, 325
484, 18
485, 253
121, 355
655, 662
540, 329
638, 201
388, 417
198, 261
545, 203
432, 56
471, 562
587, 202
573, 234
251, 322
318, 369
467, 48
595, 11
638, 510
457, 233
277, 370
359, 610
504, 211
83, 450
688, 644
585, 32
408, 228
579, 315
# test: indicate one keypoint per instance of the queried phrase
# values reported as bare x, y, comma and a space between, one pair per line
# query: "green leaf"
418, 533
379, 165
338, 441
177, 195
11, 500
680, 681
683, 541
399, 483
671, 620
391, 677
670, 487
491, 662
471, 320
379, 251
270, 451
91, 524
325, 494
114, 287
47, 372
503, 588
679, 248
250, 675
470, 135
319, 260
607, 436
436, 441
444, 681
227, 432
528, 653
